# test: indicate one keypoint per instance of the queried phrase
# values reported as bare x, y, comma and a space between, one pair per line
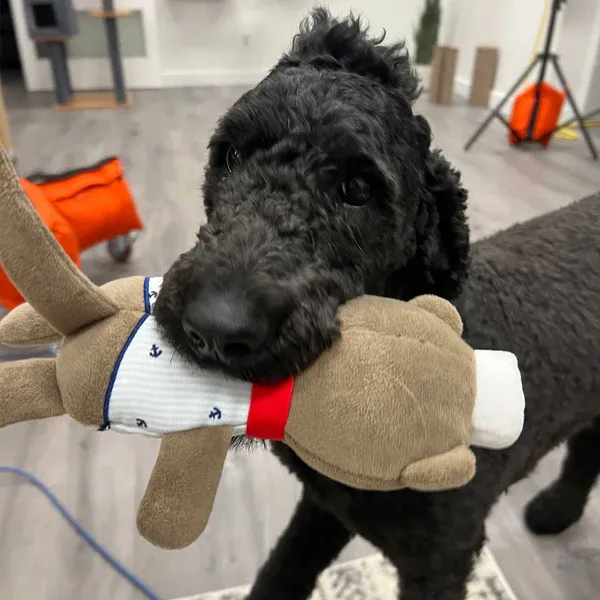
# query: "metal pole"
545, 55
586, 117
65, 62
578, 117
496, 111
62, 85
114, 52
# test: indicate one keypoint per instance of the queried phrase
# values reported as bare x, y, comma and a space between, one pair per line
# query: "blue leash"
82, 532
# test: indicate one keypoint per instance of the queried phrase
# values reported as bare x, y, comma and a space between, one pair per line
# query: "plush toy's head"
402, 391
389, 406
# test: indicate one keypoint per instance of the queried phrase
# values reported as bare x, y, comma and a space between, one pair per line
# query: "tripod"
544, 59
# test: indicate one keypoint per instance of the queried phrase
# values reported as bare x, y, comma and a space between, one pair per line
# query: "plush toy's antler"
38, 266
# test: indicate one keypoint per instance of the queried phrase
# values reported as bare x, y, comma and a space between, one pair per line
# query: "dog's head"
321, 186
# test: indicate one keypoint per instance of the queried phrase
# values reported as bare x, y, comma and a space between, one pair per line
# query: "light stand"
543, 59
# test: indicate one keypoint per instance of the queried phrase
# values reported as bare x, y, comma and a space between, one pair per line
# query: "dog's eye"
356, 191
233, 159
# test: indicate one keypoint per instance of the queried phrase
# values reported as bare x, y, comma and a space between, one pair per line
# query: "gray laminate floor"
161, 142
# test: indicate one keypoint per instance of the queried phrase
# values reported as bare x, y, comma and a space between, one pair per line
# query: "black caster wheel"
121, 248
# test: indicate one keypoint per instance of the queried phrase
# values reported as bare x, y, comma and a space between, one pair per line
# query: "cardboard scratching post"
119, 97
443, 69
484, 76
54, 23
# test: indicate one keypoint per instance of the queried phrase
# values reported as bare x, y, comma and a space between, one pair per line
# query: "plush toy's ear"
446, 471
440, 308
23, 327
180, 494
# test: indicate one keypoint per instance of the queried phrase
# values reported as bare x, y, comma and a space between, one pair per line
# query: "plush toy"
395, 403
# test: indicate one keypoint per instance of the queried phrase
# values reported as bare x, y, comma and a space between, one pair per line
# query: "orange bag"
81, 208
95, 201
551, 103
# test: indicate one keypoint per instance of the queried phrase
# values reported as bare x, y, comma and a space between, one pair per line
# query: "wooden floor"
162, 141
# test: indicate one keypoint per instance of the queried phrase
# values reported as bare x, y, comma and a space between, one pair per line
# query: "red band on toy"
269, 410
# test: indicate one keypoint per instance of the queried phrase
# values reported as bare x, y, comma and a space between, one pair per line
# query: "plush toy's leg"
180, 494
446, 471
28, 390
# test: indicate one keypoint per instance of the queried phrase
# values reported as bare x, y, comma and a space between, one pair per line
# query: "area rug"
373, 578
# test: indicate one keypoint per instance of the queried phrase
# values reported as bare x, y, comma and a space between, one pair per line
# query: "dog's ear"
440, 259
326, 42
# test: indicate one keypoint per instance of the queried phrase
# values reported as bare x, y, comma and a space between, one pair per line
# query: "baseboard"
462, 88
192, 78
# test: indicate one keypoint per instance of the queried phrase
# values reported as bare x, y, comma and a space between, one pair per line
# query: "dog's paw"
554, 509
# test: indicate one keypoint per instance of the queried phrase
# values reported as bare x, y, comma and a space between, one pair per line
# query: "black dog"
322, 186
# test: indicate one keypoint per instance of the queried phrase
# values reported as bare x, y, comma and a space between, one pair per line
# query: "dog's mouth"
270, 365
263, 368
260, 319
300, 339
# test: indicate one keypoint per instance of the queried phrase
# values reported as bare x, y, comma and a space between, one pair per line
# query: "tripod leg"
578, 117
588, 117
496, 111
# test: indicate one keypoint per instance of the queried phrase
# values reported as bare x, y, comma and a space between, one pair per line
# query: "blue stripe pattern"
113, 377
147, 294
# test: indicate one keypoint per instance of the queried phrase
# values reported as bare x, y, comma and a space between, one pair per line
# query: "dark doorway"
10, 61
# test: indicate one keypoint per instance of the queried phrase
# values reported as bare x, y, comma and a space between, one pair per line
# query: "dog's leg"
434, 553
312, 539
562, 504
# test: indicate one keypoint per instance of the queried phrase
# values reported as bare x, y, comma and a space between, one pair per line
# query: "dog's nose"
225, 325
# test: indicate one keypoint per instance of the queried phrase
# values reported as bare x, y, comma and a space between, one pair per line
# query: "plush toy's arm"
23, 327
29, 390
180, 494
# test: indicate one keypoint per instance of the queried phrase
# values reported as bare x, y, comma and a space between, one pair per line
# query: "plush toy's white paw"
499, 412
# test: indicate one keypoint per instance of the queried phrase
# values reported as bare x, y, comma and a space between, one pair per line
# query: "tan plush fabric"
28, 391
37, 265
444, 310
362, 418
85, 364
126, 293
445, 471
181, 491
23, 327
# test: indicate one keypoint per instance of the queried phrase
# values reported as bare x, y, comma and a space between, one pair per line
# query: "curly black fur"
338, 107
321, 186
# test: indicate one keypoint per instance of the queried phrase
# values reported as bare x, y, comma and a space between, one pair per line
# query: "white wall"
592, 101
90, 73
579, 41
236, 41
211, 42
511, 26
